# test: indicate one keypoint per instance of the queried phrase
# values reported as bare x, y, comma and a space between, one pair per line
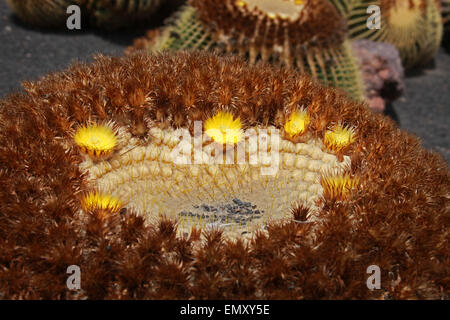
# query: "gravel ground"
235, 212
28, 54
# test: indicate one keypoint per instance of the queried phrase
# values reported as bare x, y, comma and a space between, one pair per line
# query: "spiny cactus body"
446, 21
52, 13
413, 26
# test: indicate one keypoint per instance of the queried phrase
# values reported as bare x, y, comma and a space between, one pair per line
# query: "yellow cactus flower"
96, 140
297, 123
339, 137
337, 186
223, 128
102, 202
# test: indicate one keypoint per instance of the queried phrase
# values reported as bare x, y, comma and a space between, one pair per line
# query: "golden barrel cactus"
108, 14
413, 26
446, 20
100, 161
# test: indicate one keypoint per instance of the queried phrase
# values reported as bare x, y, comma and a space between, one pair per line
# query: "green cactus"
413, 26
334, 64
107, 14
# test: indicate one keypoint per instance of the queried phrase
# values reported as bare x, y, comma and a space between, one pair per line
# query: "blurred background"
28, 53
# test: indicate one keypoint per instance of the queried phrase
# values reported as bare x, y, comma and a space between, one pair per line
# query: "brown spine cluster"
397, 218
319, 24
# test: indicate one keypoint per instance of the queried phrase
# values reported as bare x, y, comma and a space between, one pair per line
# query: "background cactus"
446, 20
395, 217
314, 43
413, 26
107, 14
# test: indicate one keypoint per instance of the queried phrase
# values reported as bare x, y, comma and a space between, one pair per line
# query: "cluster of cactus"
108, 14
413, 26
313, 41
